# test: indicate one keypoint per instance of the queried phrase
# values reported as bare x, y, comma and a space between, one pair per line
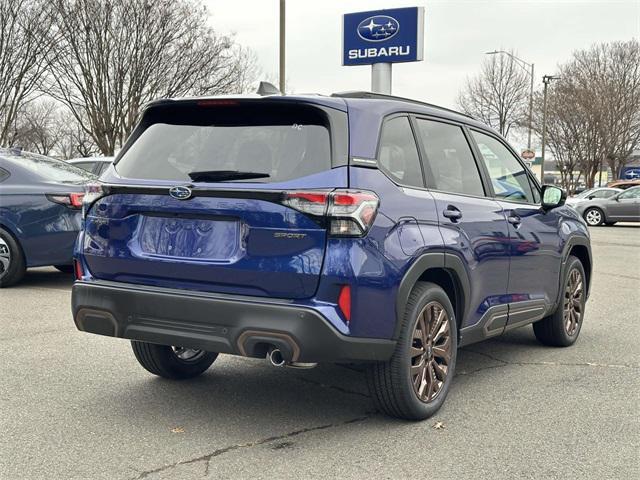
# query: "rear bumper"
217, 323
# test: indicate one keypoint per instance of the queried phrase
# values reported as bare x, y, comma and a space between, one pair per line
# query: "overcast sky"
457, 33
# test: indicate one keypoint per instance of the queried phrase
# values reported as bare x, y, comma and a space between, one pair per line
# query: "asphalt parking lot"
74, 405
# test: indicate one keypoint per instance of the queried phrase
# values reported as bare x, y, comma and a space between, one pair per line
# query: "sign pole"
381, 78
381, 38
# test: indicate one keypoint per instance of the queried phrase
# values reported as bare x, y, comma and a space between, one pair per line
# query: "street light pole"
282, 46
530, 110
546, 80
529, 68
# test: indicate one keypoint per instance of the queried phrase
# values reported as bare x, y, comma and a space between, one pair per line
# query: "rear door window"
398, 153
450, 165
283, 142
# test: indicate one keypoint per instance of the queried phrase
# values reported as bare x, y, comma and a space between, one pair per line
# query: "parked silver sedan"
592, 193
621, 207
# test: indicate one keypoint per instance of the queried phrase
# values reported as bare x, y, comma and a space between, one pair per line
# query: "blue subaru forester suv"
352, 228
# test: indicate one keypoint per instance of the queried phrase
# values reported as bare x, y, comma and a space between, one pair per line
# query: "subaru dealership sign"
383, 36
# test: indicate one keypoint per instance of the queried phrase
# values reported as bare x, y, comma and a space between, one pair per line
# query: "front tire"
12, 264
175, 363
561, 328
414, 383
594, 216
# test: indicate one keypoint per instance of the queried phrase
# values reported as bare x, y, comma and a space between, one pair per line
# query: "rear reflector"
77, 269
344, 302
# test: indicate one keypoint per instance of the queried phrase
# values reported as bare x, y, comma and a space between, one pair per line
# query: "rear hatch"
200, 198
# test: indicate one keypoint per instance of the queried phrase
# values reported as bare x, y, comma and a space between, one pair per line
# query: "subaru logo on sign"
378, 28
375, 36
180, 193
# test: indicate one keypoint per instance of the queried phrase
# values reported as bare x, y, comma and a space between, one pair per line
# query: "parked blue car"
354, 228
40, 212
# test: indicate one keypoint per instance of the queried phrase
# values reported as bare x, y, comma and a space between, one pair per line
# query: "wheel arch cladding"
581, 252
443, 269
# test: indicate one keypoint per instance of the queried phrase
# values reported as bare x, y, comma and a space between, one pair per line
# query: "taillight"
71, 200
344, 302
350, 212
92, 192
313, 203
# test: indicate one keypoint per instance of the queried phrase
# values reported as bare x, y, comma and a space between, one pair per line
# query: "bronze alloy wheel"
573, 296
430, 351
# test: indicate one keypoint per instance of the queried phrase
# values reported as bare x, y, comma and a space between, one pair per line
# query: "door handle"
514, 220
452, 213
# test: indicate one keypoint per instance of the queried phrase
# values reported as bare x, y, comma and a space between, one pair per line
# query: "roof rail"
382, 96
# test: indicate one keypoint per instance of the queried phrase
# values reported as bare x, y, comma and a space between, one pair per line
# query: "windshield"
47, 168
280, 145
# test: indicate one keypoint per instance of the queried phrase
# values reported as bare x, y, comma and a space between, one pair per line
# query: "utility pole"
282, 76
529, 68
546, 80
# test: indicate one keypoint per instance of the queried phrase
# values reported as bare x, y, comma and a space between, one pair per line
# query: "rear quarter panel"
46, 231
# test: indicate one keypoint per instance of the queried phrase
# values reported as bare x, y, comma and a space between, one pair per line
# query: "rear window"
48, 168
281, 141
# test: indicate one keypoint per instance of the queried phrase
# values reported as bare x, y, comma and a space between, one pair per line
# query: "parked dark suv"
355, 228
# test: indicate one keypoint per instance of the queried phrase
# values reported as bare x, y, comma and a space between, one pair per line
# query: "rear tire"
593, 216
414, 383
12, 264
562, 327
173, 363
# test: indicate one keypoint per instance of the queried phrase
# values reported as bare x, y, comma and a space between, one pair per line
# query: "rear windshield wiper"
222, 175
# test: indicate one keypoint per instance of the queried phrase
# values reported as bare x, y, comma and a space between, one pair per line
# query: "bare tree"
113, 57
74, 141
499, 95
39, 126
569, 139
593, 116
24, 46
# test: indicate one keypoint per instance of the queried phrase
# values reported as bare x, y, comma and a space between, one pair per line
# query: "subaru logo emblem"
378, 28
180, 193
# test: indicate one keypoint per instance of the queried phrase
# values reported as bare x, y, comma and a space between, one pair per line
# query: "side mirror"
591, 197
552, 197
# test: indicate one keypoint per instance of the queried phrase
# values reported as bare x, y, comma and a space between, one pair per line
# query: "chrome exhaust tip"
275, 358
